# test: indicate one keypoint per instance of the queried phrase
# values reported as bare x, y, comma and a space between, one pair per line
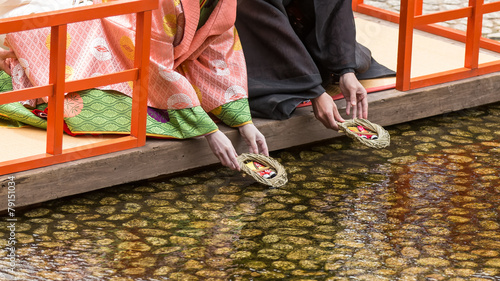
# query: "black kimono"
295, 47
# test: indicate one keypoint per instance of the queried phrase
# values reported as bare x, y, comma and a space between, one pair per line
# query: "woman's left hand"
355, 96
254, 139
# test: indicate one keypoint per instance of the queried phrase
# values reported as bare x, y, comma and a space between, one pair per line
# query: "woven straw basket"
383, 140
279, 180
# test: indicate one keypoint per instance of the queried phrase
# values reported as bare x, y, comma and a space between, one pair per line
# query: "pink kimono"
190, 67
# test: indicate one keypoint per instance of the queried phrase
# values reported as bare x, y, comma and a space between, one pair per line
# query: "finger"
337, 117
360, 109
229, 161
354, 105
263, 148
348, 107
235, 166
252, 146
353, 111
234, 162
224, 160
328, 119
365, 108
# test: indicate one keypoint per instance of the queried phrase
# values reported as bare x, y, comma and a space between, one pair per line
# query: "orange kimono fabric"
189, 67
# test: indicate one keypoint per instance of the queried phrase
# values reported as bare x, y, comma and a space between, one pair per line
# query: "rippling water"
426, 208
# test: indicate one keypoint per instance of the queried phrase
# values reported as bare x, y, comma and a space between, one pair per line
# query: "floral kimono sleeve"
220, 79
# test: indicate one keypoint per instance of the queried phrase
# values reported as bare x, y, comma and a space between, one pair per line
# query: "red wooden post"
57, 77
355, 4
405, 45
140, 94
419, 7
474, 31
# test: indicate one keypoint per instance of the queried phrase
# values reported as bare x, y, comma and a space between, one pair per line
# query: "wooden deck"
164, 157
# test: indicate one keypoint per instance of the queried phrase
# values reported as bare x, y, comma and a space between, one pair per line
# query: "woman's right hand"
325, 110
222, 147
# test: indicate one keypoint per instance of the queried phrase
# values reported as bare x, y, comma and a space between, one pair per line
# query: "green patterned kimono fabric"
16, 113
110, 112
107, 112
234, 114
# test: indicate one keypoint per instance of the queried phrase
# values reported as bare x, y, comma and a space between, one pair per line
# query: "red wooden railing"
58, 21
411, 18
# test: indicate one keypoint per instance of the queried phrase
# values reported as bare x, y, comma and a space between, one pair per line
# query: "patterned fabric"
5, 82
197, 69
16, 111
234, 114
108, 112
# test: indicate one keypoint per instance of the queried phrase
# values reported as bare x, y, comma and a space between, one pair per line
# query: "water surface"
425, 208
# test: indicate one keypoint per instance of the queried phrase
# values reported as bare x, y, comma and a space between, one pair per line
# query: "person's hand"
325, 110
355, 96
254, 139
4, 55
222, 147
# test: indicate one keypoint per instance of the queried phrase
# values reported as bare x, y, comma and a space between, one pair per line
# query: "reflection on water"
426, 208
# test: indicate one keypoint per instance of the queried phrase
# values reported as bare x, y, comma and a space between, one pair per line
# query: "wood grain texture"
164, 157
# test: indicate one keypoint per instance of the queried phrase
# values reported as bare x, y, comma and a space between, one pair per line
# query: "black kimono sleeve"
286, 64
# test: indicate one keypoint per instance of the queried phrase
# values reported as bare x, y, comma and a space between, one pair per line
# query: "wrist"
337, 75
346, 70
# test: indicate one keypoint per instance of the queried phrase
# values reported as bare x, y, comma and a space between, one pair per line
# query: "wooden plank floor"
160, 157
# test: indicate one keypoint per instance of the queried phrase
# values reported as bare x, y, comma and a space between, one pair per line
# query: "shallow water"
426, 208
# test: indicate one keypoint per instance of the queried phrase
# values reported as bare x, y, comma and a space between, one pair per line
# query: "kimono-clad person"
197, 74
295, 48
